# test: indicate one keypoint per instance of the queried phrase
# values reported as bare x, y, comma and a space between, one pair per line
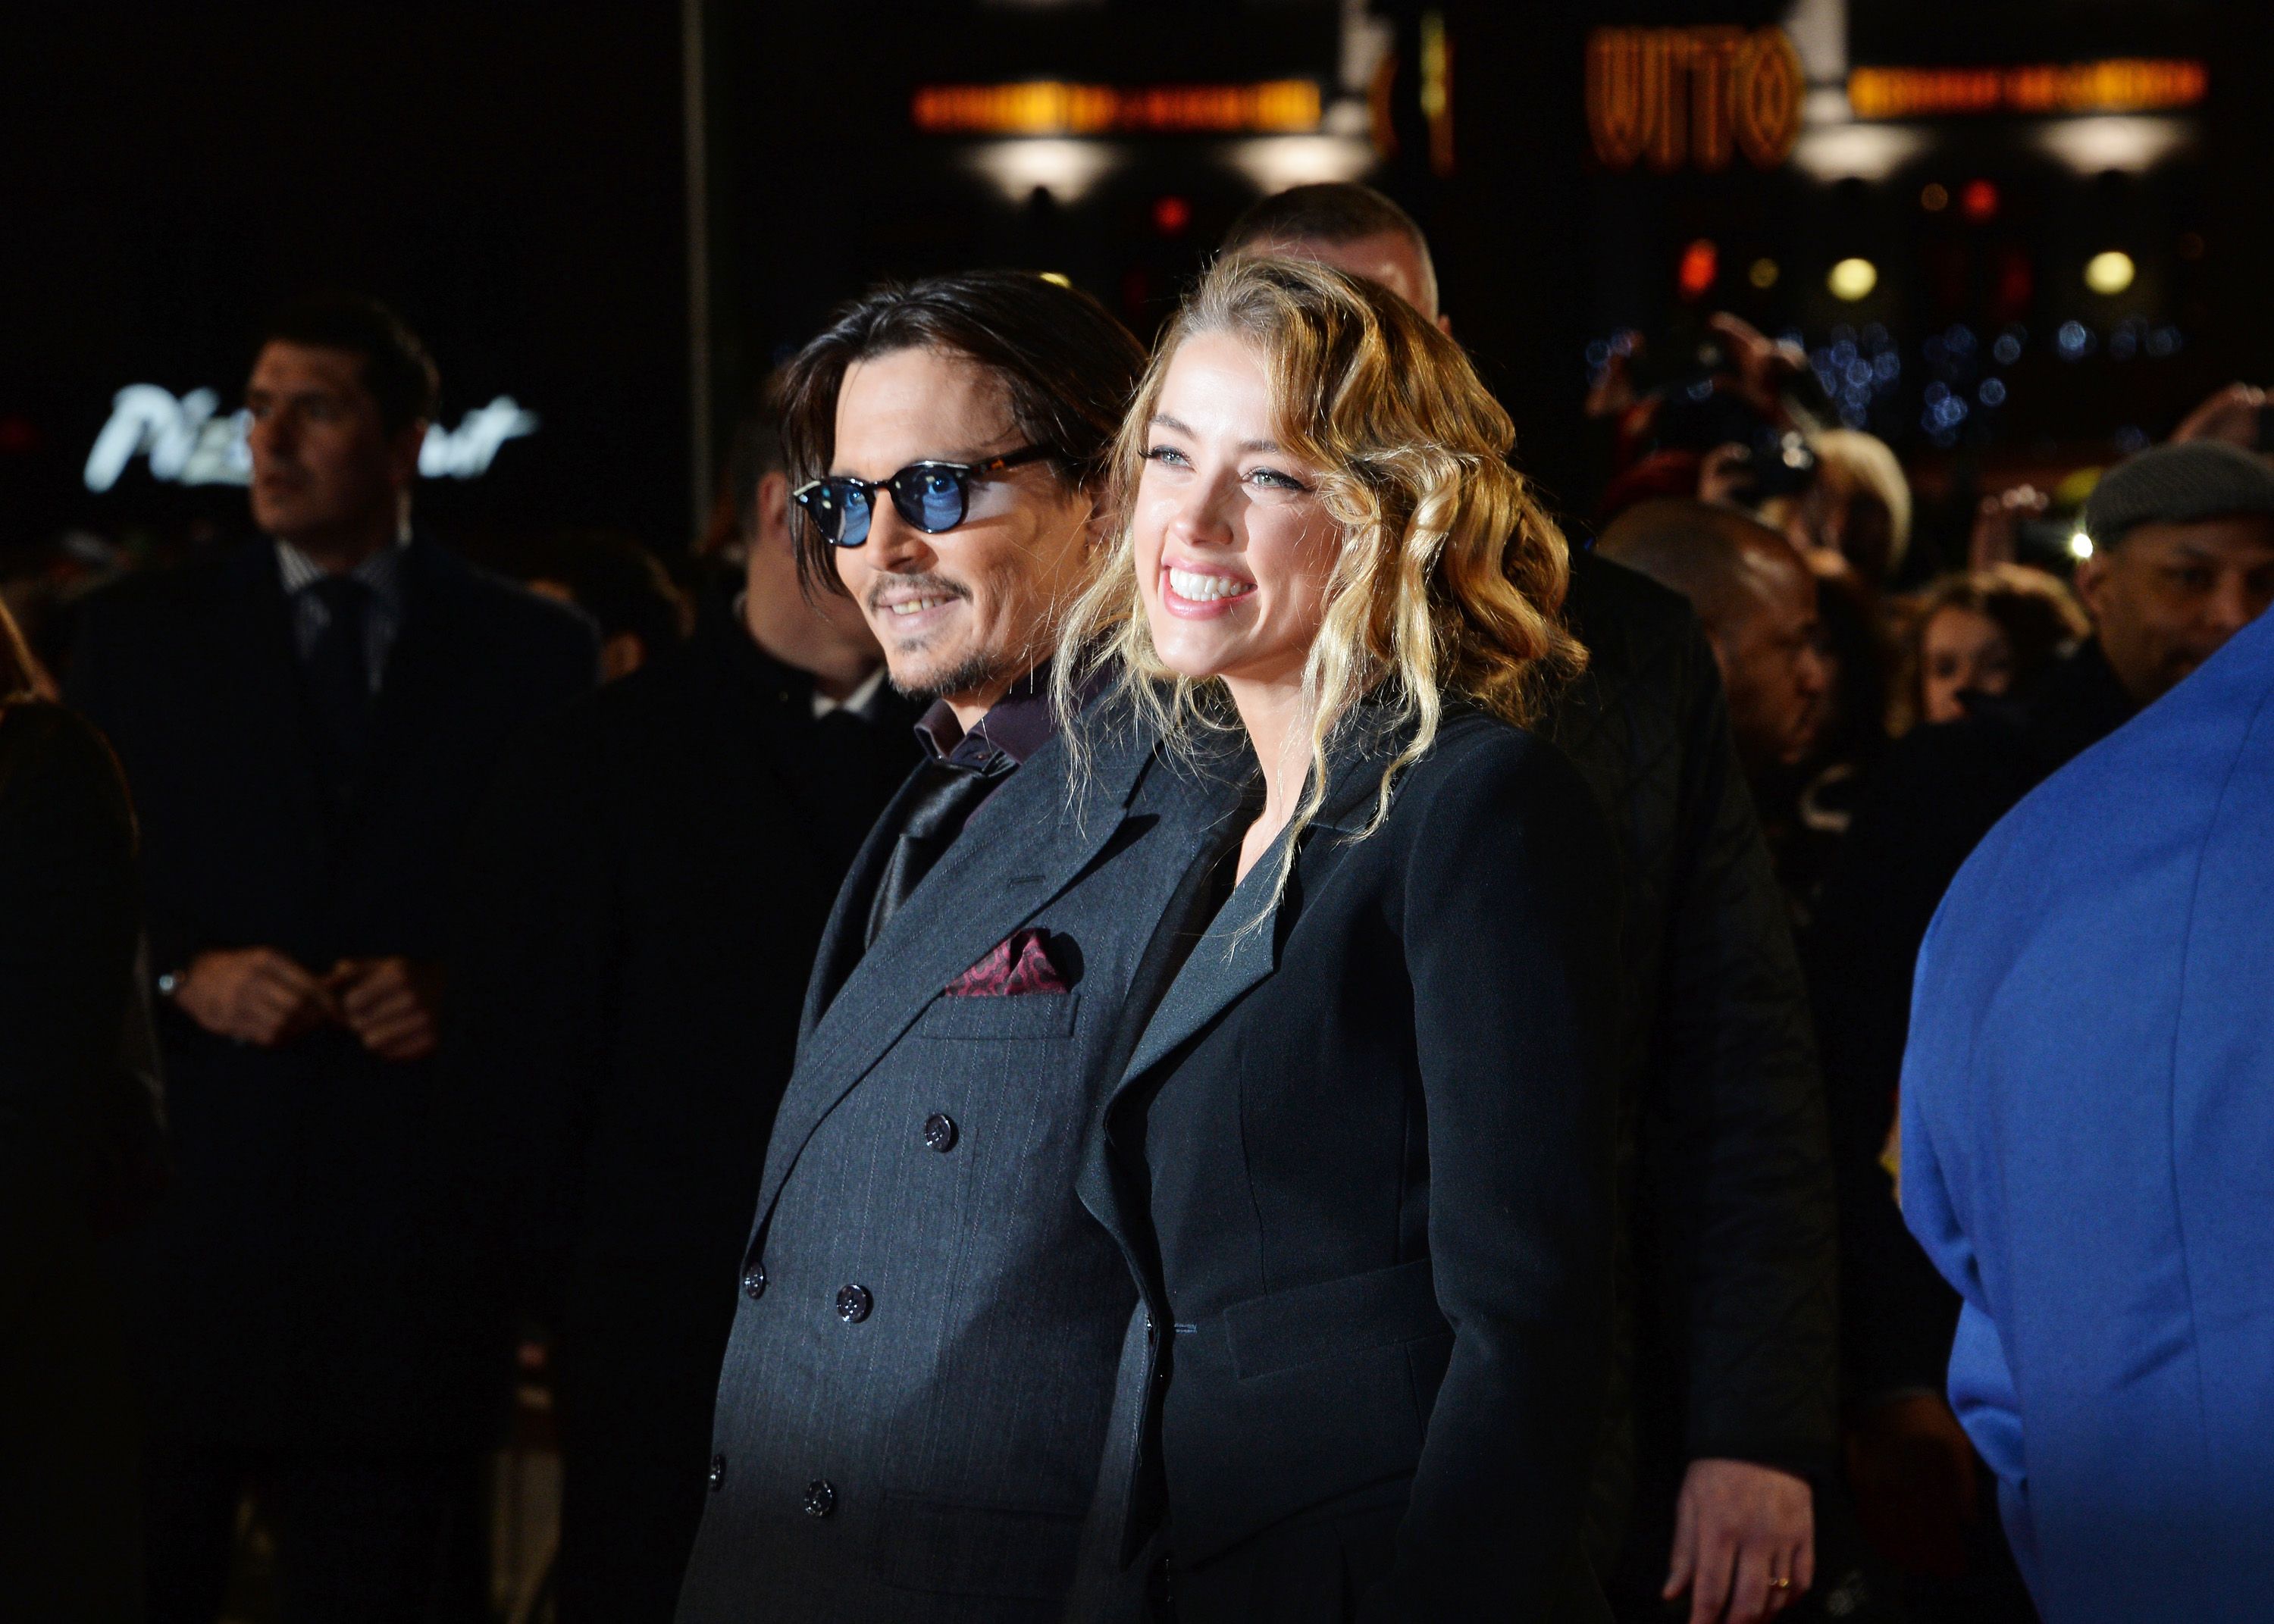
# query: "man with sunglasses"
915, 1390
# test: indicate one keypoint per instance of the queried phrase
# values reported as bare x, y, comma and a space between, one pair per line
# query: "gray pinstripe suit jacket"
932, 1460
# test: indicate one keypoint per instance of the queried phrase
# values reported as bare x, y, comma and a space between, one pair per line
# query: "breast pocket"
1035, 1015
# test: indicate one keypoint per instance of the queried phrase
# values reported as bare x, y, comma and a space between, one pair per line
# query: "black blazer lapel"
1029, 846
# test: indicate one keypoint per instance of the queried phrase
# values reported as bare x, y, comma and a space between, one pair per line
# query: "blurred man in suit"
651, 878
304, 727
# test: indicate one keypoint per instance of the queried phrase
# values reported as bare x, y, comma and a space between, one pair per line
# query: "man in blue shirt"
2088, 1155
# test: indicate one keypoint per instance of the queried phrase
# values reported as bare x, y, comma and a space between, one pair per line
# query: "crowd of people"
1171, 1002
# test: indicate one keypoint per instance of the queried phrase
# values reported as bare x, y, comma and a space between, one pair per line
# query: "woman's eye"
1272, 479
1168, 456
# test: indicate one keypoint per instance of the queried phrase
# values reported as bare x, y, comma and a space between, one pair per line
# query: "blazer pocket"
939, 1547
1334, 1318
1020, 1015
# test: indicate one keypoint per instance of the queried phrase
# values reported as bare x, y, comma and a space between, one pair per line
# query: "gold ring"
1780, 1584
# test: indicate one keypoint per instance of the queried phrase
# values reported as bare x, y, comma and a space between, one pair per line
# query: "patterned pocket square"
1020, 964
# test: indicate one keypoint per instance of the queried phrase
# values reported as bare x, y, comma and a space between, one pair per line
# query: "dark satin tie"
944, 799
338, 677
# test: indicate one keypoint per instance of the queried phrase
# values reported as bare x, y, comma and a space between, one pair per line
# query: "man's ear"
403, 453
2092, 581
771, 510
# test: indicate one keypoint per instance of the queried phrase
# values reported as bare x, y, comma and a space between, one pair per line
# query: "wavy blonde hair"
1450, 577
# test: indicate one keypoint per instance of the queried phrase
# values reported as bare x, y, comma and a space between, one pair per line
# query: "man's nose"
2232, 605
894, 546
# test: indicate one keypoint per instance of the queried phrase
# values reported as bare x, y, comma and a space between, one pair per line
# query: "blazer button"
853, 1303
754, 1283
939, 1133
820, 1498
718, 1473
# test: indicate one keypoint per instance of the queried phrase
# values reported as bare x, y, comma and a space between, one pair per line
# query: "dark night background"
513, 178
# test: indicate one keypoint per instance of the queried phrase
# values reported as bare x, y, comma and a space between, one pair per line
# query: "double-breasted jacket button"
853, 1303
939, 1132
754, 1281
820, 1498
718, 1473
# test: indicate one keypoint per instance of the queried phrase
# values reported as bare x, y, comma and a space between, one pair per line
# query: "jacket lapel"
1024, 847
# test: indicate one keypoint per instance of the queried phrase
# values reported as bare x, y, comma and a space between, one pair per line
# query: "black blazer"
649, 877
1361, 1164
279, 1299
916, 1387
69, 1544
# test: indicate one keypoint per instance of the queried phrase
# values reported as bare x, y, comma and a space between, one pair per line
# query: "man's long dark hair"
1066, 366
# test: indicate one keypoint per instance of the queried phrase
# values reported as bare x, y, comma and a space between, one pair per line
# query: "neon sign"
1693, 96
1048, 106
187, 444
2120, 84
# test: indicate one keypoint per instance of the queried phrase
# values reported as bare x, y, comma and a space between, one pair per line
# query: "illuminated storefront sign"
2123, 84
188, 445
1048, 106
1693, 96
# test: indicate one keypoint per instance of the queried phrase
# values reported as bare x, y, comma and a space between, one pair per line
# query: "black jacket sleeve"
1734, 1133
1509, 920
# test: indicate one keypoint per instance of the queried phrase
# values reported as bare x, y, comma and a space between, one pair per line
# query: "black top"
1937, 793
1375, 1153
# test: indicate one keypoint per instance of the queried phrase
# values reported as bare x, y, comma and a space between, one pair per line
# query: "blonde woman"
1360, 1158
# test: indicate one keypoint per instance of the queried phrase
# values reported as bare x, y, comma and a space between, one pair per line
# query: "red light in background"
1701, 267
1171, 214
1978, 202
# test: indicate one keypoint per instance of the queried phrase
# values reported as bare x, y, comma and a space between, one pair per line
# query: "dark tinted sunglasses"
931, 496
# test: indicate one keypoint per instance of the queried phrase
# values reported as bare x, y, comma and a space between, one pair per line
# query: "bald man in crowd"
1757, 601
1722, 1396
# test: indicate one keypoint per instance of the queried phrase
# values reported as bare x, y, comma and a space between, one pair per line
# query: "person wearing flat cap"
2182, 558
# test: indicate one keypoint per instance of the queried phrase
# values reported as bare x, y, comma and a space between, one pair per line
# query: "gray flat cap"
2176, 484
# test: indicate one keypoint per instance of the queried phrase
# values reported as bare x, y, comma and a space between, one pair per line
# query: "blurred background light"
1853, 279
1700, 268
1857, 152
2109, 273
1278, 162
1064, 169
2094, 146
1763, 275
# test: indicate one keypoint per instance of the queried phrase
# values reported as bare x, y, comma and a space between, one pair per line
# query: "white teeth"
1206, 589
915, 606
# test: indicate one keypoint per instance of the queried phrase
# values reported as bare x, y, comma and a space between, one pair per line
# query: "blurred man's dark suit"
1725, 1295
653, 875
282, 1326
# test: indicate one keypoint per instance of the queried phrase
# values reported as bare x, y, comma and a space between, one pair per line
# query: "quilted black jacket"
1728, 1344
